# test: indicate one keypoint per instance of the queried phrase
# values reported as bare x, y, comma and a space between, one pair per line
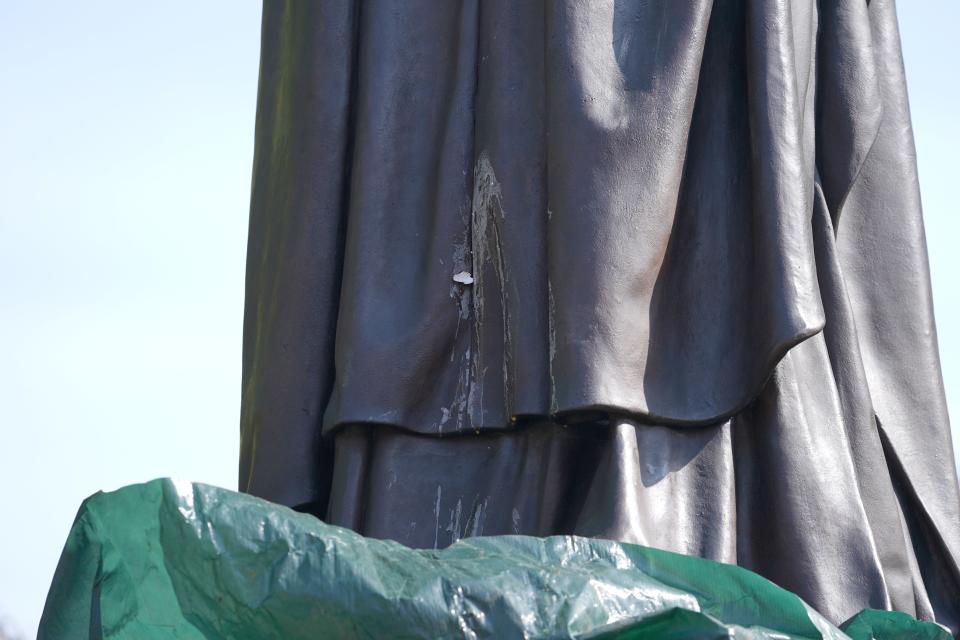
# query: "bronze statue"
644, 270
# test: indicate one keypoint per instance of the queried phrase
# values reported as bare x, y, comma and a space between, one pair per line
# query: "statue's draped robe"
691, 307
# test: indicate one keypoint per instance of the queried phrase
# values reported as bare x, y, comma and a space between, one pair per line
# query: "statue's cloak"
649, 270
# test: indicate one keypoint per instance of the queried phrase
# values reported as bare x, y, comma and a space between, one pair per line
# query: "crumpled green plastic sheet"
178, 560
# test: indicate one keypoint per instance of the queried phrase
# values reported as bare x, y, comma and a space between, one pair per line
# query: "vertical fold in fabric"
849, 99
882, 254
404, 326
294, 251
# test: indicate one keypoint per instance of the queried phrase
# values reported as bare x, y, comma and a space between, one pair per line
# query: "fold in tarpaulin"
177, 560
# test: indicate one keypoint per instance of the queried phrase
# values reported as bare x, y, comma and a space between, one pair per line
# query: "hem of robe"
683, 490
573, 413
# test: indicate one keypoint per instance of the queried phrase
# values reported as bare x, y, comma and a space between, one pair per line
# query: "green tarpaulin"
179, 560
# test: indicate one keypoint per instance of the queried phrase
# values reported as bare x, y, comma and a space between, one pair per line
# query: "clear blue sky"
126, 132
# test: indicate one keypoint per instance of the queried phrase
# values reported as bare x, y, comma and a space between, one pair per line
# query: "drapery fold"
295, 242
631, 222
